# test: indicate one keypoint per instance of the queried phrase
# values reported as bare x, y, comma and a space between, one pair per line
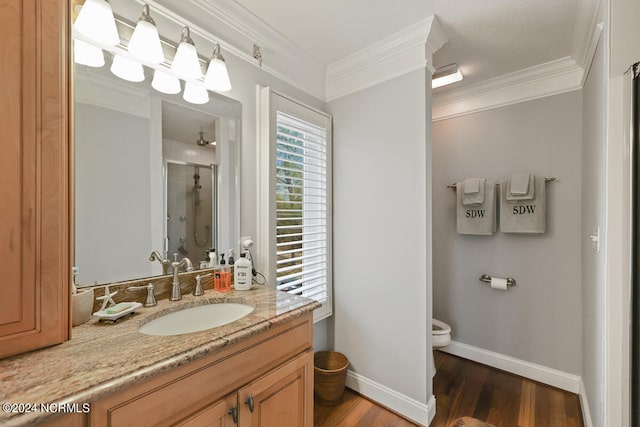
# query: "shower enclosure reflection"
190, 204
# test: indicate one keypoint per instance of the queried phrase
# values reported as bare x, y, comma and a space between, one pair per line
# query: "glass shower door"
191, 210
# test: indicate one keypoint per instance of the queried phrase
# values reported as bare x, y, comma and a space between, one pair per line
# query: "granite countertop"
102, 358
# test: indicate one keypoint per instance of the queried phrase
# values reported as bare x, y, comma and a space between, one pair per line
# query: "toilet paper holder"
487, 279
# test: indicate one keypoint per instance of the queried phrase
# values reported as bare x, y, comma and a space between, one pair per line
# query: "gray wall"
540, 319
108, 159
381, 290
593, 216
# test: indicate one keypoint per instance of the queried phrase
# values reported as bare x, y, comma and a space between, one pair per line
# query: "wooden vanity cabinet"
280, 398
267, 377
34, 174
218, 414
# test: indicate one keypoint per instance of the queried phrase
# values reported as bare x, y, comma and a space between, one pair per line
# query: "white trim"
533, 371
237, 30
591, 50
404, 405
431, 408
405, 51
96, 89
551, 78
589, 13
584, 405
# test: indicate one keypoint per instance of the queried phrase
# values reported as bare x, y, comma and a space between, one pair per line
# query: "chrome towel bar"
546, 179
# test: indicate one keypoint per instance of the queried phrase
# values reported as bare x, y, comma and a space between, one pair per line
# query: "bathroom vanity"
257, 370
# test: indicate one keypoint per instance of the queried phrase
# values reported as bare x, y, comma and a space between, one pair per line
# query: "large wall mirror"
152, 173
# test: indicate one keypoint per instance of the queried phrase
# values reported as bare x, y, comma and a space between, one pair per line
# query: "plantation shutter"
302, 189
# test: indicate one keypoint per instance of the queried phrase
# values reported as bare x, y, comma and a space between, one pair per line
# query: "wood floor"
356, 411
464, 388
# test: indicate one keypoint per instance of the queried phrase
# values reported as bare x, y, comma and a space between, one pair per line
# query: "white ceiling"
330, 30
487, 38
184, 124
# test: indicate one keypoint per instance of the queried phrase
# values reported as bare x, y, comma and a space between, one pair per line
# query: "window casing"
296, 170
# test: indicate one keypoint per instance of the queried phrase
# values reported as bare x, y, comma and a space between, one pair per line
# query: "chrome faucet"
176, 293
155, 256
151, 298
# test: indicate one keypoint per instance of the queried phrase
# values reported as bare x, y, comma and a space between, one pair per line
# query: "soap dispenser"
222, 278
242, 273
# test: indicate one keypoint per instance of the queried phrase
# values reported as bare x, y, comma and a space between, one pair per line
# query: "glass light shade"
195, 93
217, 77
446, 76
145, 43
95, 21
127, 69
165, 83
185, 63
87, 54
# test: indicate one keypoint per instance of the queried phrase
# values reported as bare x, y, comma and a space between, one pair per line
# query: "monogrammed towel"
478, 219
524, 216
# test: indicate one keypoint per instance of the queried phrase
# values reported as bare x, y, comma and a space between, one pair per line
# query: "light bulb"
195, 93
145, 41
95, 21
217, 77
87, 54
165, 83
186, 64
127, 69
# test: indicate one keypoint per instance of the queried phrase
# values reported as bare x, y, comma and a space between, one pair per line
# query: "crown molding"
236, 30
280, 55
587, 31
551, 78
407, 50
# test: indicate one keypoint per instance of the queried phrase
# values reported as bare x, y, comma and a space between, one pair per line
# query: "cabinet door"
34, 175
218, 414
283, 397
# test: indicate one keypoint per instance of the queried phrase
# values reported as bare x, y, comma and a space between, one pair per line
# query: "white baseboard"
584, 404
431, 408
415, 411
552, 377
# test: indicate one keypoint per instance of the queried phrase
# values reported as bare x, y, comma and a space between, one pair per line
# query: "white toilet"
440, 337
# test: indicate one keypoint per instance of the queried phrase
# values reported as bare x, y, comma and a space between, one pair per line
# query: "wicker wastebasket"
330, 374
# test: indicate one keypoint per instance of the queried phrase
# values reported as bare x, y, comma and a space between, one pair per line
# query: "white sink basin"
196, 319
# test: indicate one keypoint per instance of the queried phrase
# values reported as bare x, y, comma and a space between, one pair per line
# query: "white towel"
473, 194
524, 216
478, 219
519, 184
529, 194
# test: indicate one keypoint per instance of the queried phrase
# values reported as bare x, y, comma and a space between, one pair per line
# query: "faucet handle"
197, 291
151, 298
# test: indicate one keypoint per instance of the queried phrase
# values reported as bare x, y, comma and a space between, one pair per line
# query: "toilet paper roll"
499, 283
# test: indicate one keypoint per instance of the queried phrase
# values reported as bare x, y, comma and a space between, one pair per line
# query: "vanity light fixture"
96, 22
127, 69
217, 77
446, 75
165, 83
195, 93
145, 41
87, 54
186, 64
